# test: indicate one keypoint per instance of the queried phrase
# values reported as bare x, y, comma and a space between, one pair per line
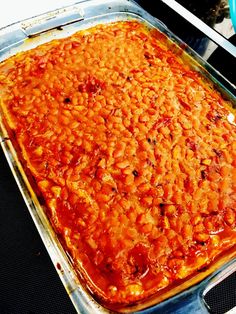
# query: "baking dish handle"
53, 19
190, 301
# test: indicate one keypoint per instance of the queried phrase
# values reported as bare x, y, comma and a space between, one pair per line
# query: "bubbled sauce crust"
132, 152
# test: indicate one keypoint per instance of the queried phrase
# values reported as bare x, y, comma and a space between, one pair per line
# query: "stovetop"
214, 13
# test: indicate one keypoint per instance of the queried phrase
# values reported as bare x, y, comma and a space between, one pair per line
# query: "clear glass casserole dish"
84, 15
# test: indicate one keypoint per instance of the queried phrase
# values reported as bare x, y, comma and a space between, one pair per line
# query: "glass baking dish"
188, 295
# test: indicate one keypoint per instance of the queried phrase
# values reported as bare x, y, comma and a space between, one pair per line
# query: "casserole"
90, 86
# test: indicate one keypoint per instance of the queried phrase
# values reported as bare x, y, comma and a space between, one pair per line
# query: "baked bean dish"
133, 153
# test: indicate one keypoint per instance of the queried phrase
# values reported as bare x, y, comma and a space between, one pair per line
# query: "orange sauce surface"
133, 153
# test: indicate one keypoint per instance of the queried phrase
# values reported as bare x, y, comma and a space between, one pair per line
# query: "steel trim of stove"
215, 13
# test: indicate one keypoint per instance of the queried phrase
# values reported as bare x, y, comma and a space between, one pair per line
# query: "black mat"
29, 283
222, 298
